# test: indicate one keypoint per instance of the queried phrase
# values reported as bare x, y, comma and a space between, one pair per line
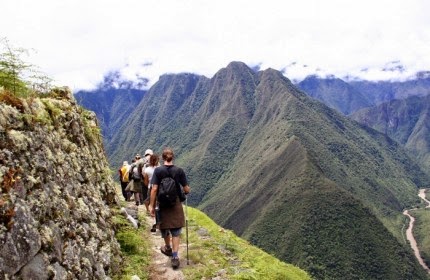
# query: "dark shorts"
175, 232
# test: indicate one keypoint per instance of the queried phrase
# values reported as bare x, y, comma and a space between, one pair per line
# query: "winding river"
409, 234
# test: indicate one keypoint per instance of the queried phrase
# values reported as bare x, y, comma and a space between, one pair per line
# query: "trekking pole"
186, 225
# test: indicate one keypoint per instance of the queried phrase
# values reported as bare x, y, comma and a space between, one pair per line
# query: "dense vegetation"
257, 150
406, 121
421, 230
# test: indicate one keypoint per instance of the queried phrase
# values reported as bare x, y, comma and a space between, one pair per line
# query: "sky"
77, 42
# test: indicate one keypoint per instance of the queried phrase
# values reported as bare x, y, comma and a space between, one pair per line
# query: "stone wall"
55, 191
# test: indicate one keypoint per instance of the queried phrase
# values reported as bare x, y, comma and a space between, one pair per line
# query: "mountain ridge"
406, 121
239, 123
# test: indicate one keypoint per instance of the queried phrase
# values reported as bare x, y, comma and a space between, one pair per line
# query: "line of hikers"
162, 189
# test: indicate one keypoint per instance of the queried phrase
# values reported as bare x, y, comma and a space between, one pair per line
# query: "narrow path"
161, 268
422, 195
409, 233
160, 265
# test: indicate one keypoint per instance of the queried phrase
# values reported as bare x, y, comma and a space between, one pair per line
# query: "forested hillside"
405, 120
291, 175
112, 106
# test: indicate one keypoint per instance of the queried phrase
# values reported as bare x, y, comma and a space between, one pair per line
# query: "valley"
255, 135
409, 232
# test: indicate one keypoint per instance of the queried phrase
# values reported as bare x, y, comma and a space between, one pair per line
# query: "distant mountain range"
348, 97
397, 109
112, 107
405, 120
283, 170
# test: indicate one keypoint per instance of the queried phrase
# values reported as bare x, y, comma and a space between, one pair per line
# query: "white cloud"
78, 41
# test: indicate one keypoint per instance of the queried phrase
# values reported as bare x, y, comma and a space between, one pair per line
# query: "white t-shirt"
149, 171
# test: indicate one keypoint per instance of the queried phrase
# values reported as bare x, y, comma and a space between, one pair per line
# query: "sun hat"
148, 152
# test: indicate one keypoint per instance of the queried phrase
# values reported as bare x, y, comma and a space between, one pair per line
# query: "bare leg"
175, 244
136, 198
167, 241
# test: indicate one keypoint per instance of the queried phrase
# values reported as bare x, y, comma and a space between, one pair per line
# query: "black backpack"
168, 191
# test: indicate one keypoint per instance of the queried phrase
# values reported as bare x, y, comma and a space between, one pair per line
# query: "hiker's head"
168, 154
153, 160
137, 157
148, 152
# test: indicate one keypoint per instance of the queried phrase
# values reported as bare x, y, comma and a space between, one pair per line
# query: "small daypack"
135, 173
168, 191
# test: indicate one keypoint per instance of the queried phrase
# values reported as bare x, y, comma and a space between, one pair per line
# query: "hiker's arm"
145, 179
152, 199
187, 189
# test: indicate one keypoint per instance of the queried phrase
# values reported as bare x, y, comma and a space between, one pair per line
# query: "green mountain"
112, 106
406, 120
282, 170
335, 93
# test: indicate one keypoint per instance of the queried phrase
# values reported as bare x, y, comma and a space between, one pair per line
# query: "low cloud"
77, 42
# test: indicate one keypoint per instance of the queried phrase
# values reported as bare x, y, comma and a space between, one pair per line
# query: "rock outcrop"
56, 191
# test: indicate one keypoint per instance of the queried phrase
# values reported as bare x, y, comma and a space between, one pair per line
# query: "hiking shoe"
154, 228
166, 250
175, 262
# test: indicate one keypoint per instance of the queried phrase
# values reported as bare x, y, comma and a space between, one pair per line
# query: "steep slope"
407, 121
112, 106
292, 188
283, 170
384, 91
335, 93
168, 105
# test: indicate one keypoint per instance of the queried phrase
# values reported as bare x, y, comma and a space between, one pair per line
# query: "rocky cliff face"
55, 191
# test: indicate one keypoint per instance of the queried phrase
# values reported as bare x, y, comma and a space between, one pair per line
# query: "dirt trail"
409, 233
422, 195
161, 268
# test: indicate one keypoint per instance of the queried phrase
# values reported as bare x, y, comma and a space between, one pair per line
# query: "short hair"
168, 154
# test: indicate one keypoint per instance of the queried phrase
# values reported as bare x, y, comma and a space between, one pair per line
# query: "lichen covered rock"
56, 192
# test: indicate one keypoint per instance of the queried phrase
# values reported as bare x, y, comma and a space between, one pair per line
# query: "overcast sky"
77, 42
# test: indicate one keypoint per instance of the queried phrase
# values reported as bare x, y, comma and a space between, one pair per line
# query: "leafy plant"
18, 76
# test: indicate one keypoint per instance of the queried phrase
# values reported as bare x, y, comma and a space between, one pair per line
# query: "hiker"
147, 155
144, 162
141, 164
147, 177
124, 179
172, 219
135, 184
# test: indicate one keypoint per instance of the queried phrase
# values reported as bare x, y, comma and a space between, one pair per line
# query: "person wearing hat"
147, 177
143, 163
124, 179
